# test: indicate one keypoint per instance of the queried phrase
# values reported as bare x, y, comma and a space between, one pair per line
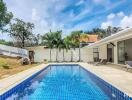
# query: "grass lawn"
10, 66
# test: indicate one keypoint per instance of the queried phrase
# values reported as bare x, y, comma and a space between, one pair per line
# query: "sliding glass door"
121, 52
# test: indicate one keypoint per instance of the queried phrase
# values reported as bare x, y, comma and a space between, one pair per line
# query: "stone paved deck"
118, 78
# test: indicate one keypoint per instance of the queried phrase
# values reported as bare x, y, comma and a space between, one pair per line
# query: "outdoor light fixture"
112, 44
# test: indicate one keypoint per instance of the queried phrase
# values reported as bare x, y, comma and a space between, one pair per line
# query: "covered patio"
115, 48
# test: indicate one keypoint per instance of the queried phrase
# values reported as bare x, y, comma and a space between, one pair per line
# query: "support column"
115, 53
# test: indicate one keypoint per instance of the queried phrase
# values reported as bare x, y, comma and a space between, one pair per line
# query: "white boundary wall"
13, 51
41, 53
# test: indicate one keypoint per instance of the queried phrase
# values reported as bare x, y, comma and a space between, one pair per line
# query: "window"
95, 54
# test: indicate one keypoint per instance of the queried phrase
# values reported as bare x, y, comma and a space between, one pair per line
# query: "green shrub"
6, 66
45, 61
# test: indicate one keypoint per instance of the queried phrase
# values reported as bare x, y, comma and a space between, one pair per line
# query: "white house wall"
67, 55
87, 54
103, 51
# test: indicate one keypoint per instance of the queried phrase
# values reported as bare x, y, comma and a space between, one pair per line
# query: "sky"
70, 15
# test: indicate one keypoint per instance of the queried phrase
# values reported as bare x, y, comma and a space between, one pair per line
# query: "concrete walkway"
118, 78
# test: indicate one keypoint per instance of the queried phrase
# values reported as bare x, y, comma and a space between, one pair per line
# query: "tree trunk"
79, 54
63, 55
23, 44
23, 41
71, 55
56, 54
50, 54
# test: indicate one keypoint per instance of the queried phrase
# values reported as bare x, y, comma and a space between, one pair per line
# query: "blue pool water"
62, 82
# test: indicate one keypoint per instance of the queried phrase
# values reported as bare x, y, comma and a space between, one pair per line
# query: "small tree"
21, 31
5, 16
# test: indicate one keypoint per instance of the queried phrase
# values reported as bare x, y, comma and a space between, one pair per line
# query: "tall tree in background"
21, 31
112, 30
5, 16
36, 40
102, 33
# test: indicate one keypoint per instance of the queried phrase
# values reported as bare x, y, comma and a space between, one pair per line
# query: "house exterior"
87, 39
39, 53
116, 48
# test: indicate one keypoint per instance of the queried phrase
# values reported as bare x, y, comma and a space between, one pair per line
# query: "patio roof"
119, 36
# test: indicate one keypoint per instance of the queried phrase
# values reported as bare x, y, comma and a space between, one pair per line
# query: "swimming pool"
64, 82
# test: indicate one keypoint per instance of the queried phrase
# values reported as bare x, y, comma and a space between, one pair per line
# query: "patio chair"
129, 64
101, 62
92, 62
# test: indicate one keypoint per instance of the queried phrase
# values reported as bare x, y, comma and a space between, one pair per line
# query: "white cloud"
104, 25
121, 14
98, 1
126, 21
51, 14
111, 16
82, 14
80, 2
83, 26
118, 20
35, 16
105, 3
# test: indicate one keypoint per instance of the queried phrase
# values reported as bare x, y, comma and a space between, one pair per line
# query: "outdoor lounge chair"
129, 64
92, 62
101, 62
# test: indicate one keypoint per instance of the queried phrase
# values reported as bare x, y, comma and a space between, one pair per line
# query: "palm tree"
57, 42
63, 47
75, 37
48, 40
67, 43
